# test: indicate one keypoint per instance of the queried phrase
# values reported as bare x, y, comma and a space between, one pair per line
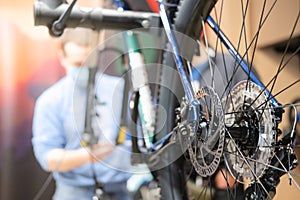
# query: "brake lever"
58, 26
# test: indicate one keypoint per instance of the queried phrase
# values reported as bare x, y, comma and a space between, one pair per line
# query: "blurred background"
28, 65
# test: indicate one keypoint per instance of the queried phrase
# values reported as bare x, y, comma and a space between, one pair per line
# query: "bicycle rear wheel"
255, 156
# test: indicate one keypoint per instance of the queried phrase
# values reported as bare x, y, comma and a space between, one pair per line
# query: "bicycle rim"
249, 162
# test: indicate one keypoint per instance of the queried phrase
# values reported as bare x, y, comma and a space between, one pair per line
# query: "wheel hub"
250, 136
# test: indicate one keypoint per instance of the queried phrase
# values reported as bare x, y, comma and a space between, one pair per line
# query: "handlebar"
46, 13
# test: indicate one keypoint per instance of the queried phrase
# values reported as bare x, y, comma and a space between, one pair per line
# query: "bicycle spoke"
282, 67
248, 164
286, 49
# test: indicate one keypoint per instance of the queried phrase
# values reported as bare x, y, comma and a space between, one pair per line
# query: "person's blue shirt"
59, 122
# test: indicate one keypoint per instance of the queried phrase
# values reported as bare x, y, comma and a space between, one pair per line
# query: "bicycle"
238, 126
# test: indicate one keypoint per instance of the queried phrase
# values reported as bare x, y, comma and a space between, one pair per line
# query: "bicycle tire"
172, 179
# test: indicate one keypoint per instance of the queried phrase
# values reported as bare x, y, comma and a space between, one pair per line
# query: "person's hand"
101, 150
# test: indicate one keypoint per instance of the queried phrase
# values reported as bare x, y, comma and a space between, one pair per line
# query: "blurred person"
58, 124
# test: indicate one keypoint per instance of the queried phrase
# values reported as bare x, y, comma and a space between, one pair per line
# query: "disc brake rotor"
247, 155
207, 146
